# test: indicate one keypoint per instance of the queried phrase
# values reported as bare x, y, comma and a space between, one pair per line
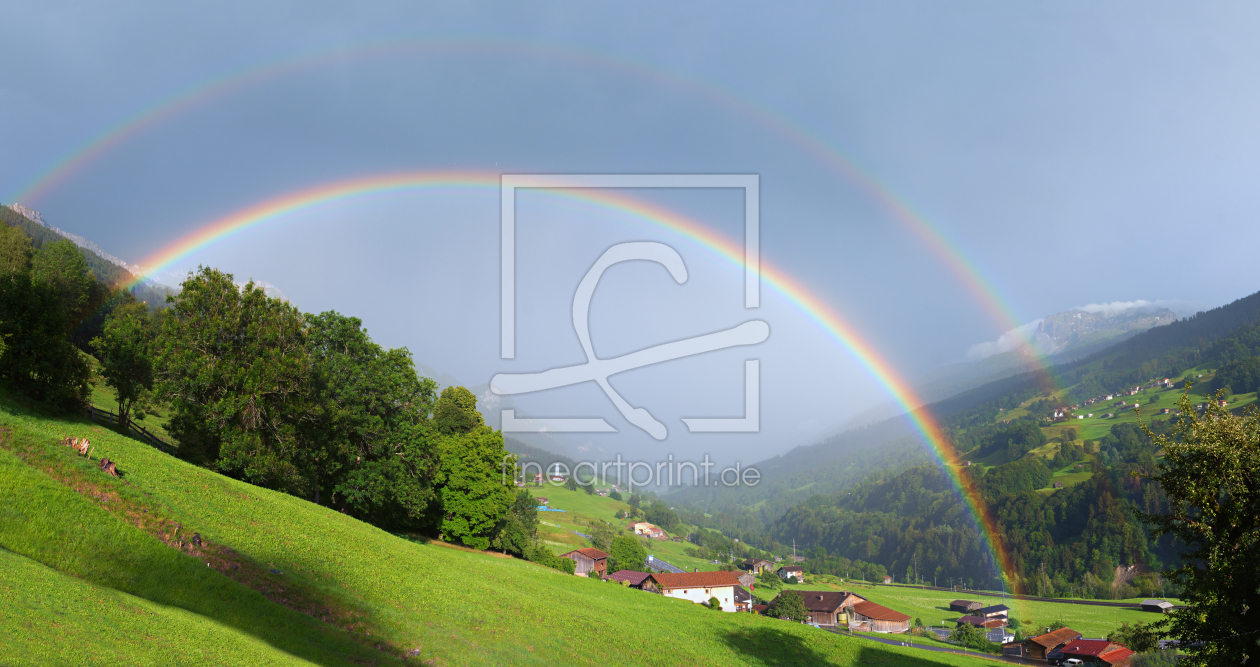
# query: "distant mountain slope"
890, 445
1076, 328
1165, 350
108, 269
1060, 338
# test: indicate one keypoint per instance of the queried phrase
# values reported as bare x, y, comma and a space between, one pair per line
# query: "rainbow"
955, 260
779, 281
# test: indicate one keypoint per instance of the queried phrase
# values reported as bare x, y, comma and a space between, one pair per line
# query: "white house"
697, 587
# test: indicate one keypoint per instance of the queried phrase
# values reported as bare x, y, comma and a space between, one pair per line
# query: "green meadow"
98, 570
933, 607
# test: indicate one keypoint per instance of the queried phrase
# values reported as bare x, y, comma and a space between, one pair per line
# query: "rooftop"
667, 580
589, 552
827, 601
629, 576
1052, 639
1091, 647
879, 613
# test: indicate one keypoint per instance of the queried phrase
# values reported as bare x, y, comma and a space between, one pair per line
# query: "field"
933, 608
579, 508
97, 570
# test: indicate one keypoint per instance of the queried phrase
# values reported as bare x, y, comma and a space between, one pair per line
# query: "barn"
870, 617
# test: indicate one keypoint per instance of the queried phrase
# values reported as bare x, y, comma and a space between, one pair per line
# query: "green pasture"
88, 582
933, 607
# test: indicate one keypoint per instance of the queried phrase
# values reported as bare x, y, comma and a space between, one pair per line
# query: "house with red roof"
982, 622
1097, 651
590, 562
695, 587
1041, 646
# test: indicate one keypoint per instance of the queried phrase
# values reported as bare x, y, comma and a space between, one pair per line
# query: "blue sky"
1075, 153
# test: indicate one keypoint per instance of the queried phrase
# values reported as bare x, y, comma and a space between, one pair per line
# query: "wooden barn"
870, 617
964, 606
1037, 648
591, 562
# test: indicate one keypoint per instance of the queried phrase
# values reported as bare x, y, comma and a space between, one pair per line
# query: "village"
781, 588
1118, 404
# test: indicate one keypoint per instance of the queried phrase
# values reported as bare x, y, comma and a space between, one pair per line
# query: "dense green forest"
1072, 538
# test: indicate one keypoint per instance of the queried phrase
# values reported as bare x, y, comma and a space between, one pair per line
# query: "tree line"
255, 389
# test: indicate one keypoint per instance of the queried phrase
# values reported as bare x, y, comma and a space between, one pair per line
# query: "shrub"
971, 637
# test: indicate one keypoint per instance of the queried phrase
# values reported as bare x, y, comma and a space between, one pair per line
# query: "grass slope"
50, 617
108, 562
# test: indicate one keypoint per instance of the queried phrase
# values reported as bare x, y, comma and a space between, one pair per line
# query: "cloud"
1008, 341
1116, 307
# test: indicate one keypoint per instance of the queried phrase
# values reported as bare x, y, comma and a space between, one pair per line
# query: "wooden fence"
97, 414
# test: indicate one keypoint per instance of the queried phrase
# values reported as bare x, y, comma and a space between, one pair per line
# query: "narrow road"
938, 649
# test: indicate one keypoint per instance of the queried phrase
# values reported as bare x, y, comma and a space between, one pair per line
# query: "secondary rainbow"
932, 236
775, 278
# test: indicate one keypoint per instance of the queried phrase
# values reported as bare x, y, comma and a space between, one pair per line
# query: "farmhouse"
649, 530
996, 611
1097, 651
696, 586
788, 571
746, 579
827, 608
982, 622
628, 578
743, 599
1037, 648
1157, 606
869, 617
964, 605
590, 561
757, 565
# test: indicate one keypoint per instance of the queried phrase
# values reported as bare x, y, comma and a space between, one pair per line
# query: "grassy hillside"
111, 565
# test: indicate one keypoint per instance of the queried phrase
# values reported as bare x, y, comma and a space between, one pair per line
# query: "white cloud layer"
1116, 307
1008, 341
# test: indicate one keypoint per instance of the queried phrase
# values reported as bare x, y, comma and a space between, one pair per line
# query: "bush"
715, 604
971, 637
1154, 659
788, 605
543, 556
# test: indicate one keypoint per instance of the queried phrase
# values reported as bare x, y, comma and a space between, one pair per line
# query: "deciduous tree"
472, 487
628, 553
1211, 474
233, 365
